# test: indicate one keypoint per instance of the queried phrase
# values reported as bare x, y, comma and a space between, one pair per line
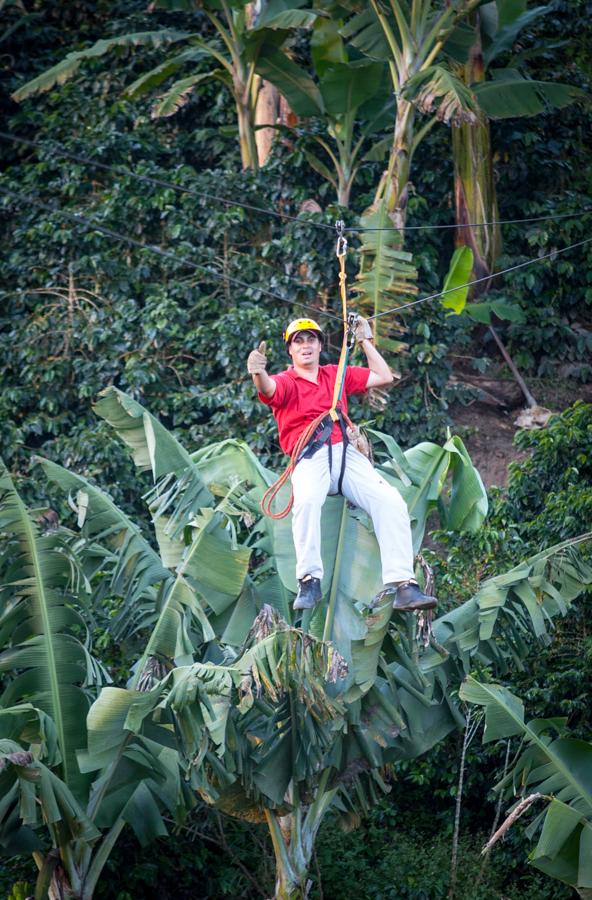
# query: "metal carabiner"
341, 248
351, 330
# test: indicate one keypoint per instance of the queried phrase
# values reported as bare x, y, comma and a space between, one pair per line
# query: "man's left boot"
409, 597
309, 592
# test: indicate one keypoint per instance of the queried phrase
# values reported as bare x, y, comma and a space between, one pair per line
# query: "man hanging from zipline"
326, 463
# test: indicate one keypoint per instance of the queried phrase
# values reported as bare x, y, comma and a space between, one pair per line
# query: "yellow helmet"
302, 325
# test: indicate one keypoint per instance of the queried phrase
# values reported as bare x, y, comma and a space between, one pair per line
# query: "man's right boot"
309, 592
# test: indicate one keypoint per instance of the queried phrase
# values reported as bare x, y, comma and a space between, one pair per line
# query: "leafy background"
178, 342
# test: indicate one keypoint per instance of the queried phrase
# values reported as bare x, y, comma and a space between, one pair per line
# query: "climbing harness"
320, 429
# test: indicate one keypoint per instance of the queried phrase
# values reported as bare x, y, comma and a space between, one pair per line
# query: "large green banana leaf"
554, 765
134, 567
180, 491
139, 780
64, 70
509, 94
495, 628
254, 735
387, 275
294, 721
31, 794
194, 539
40, 645
352, 570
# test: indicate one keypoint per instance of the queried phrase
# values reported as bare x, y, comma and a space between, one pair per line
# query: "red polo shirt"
297, 402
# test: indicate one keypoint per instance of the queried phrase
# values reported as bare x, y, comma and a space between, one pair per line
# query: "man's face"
305, 349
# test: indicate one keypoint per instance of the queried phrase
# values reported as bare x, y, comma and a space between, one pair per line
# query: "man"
296, 397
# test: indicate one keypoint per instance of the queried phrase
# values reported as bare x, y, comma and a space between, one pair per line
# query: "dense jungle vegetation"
165, 319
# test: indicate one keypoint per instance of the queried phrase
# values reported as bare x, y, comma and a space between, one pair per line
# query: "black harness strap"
321, 437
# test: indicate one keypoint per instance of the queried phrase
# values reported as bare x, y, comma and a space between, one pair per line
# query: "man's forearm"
264, 384
380, 373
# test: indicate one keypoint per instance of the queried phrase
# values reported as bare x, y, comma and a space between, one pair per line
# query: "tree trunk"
344, 187
266, 113
246, 132
474, 186
394, 184
292, 854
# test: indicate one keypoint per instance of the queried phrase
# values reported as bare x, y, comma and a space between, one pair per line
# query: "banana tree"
491, 32
272, 722
550, 767
234, 50
294, 744
410, 38
298, 723
85, 799
344, 102
49, 680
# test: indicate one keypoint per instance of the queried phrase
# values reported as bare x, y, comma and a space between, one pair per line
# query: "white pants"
362, 486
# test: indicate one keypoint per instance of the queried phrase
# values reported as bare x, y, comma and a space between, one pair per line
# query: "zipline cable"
158, 182
572, 215
528, 262
148, 179
89, 225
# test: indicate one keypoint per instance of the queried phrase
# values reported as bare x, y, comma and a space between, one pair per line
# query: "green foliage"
551, 767
388, 858
177, 343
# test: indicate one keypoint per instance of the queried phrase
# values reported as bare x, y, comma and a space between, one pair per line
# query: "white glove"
257, 361
363, 331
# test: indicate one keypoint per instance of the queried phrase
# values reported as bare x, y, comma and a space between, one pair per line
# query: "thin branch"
498, 812
470, 731
512, 366
519, 810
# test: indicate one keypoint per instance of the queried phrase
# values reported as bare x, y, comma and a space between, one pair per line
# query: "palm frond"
64, 70
552, 766
387, 273
39, 628
437, 90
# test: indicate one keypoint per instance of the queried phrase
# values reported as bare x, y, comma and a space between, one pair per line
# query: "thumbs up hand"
257, 360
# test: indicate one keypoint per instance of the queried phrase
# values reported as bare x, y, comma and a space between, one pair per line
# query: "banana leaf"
454, 289
40, 645
553, 765
386, 274
509, 94
64, 70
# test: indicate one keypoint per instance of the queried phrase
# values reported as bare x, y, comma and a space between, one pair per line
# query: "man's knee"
393, 500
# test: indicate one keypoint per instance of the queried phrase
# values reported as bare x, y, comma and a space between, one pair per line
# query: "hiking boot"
309, 592
409, 597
